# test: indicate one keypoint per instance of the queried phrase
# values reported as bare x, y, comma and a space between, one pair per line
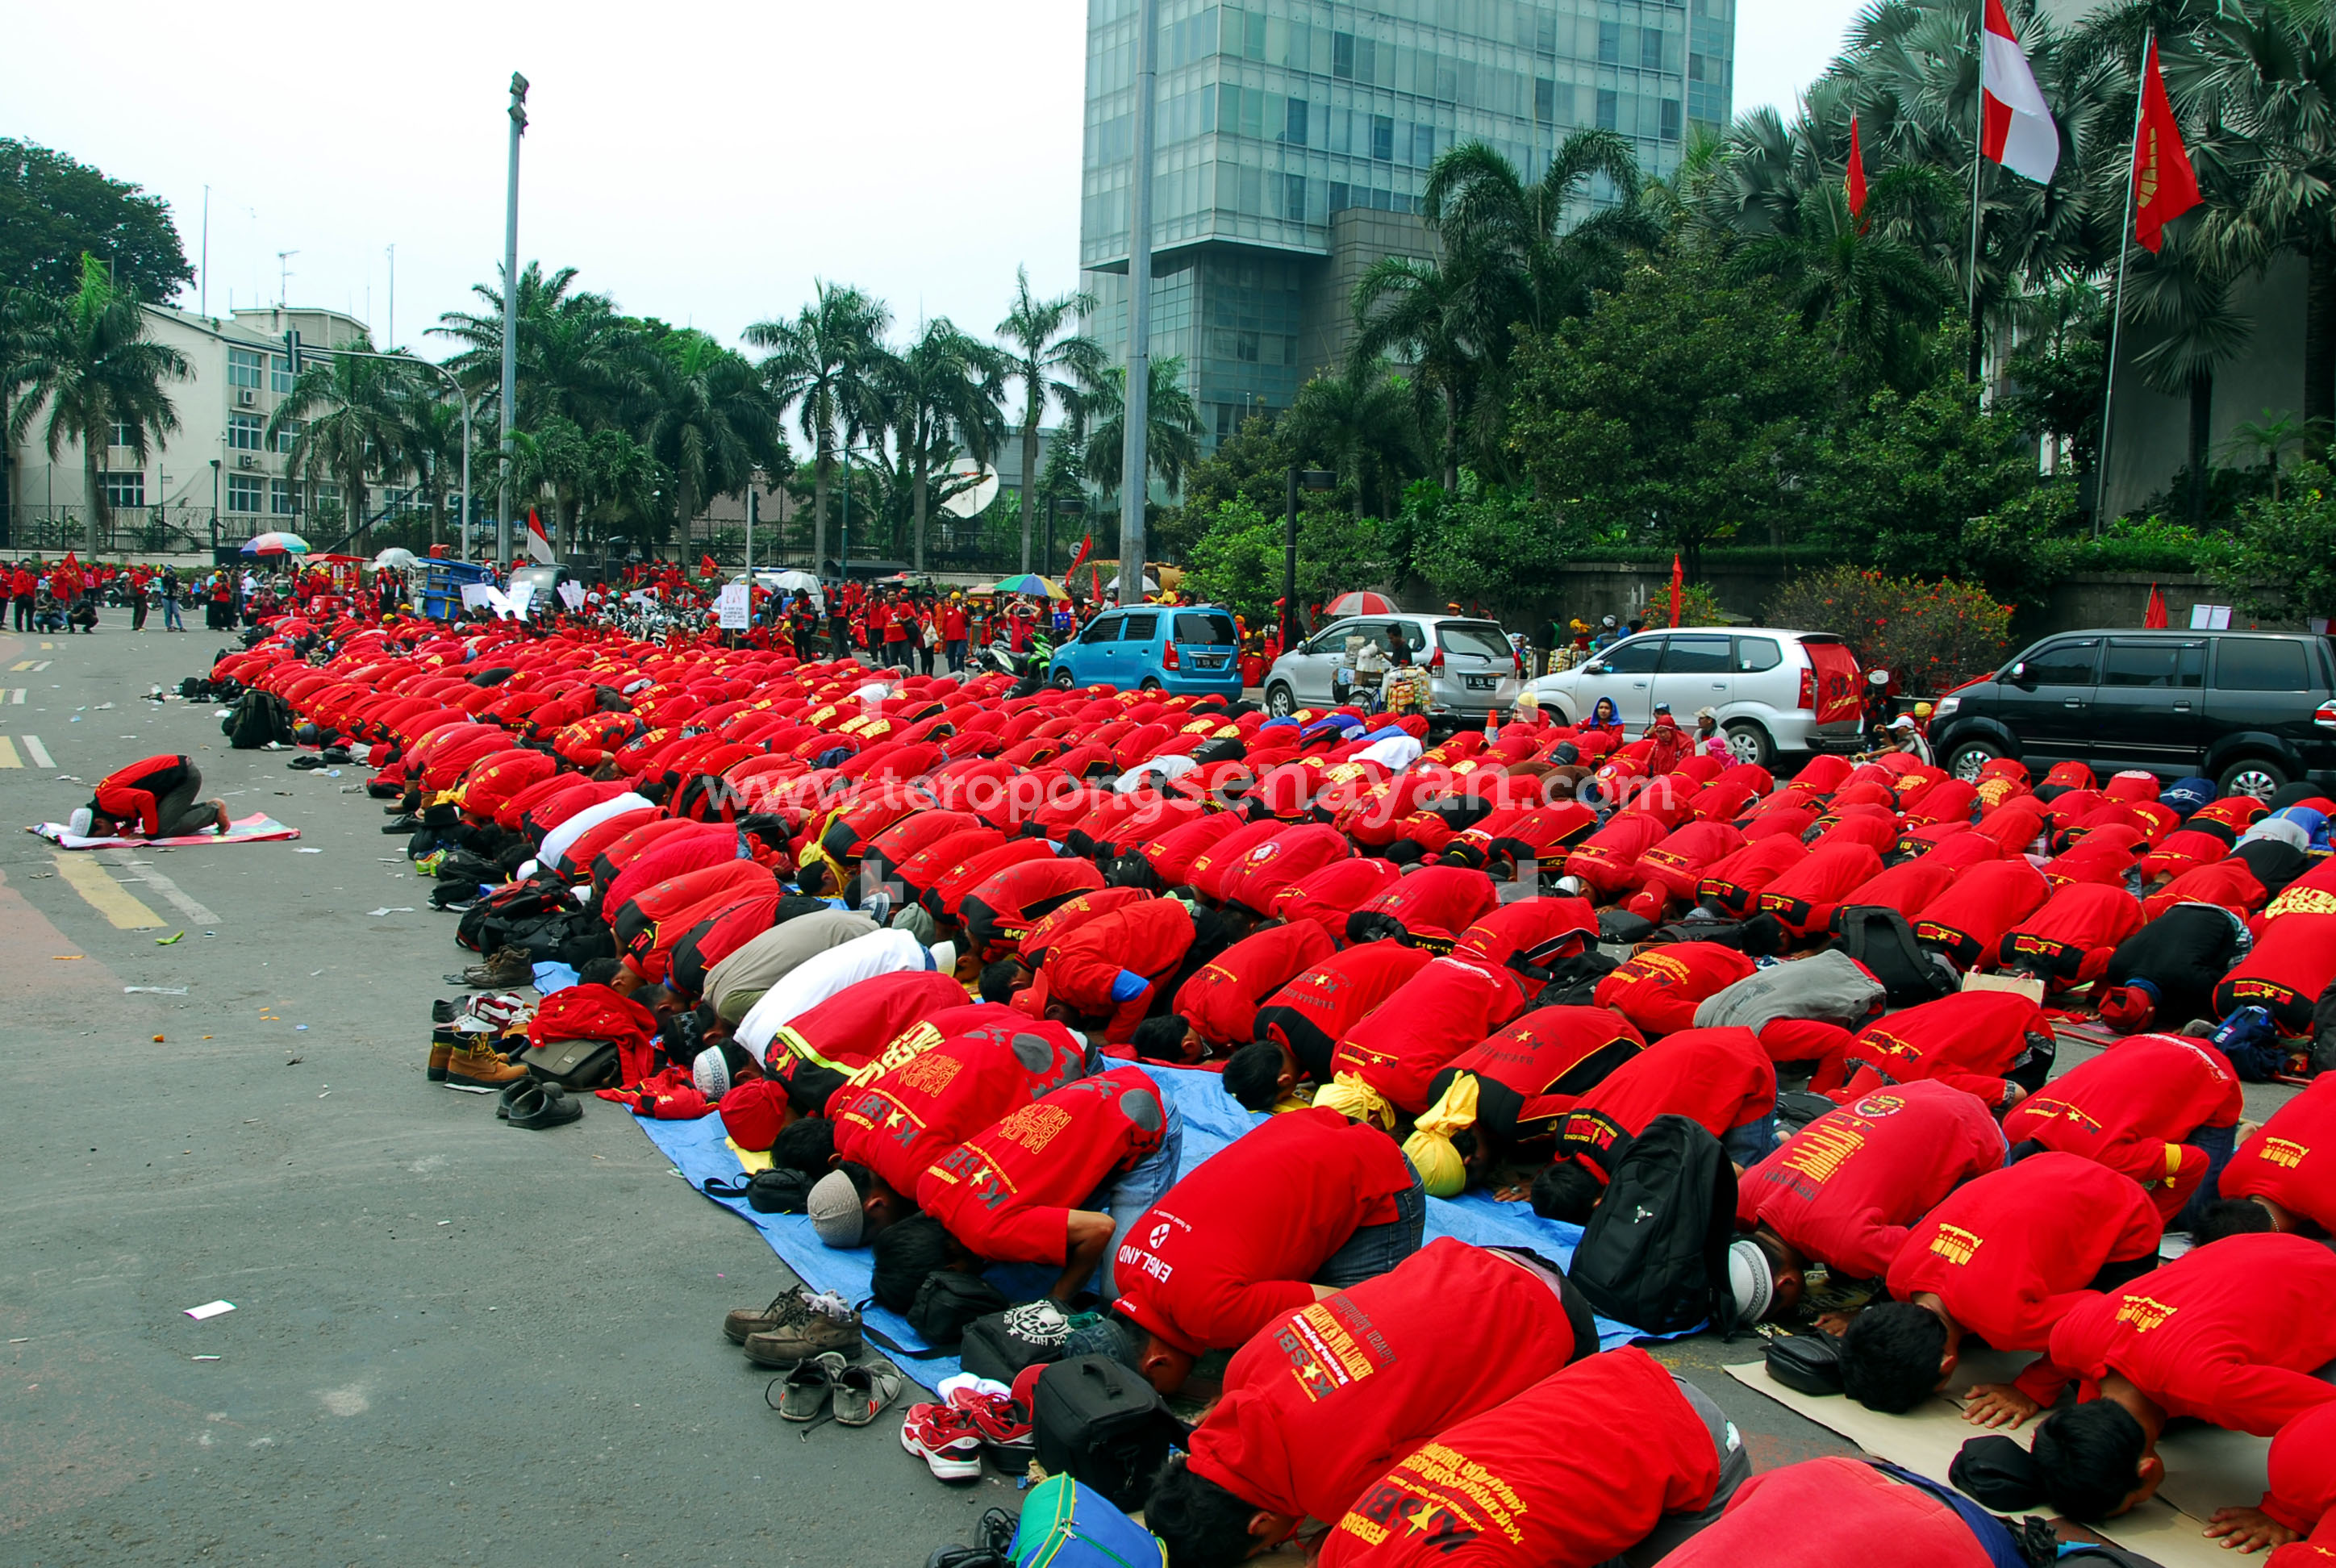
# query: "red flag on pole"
1855, 182
1085, 545
1678, 585
2154, 618
707, 567
538, 543
2165, 186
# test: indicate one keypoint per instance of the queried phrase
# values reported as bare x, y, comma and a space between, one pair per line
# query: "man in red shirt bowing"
1719, 1078
2161, 1108
152, 799
1287, 1213
1614, 1458
2284, 1177
1318, 1403
2005, 1257
1020, 1192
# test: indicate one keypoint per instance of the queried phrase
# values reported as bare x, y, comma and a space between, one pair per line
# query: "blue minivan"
1183, 649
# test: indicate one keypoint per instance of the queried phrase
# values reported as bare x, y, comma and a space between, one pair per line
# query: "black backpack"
1881, 939
1655, 1252
1101, 1424
257, 718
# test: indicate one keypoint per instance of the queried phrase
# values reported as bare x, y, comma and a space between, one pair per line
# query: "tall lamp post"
1136, 465
215, 498
510, 323
1309, 479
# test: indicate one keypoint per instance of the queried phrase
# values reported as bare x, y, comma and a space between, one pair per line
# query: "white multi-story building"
219, 465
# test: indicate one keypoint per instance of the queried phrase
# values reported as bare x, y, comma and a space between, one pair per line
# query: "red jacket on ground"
1846, 1189
2131, 1107
1230, 1248
900, 1121
1570, 1473
1006, 1193
2230, 1332
1319, 1404
2013, 1252
2292, 1160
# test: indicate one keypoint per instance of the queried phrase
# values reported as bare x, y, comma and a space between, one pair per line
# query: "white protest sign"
477, 596
571, 594
730, 607
521, 594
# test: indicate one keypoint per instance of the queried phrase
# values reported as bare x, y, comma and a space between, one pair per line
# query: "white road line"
8, 757
17, 696
43, 665
37, 752
145, 873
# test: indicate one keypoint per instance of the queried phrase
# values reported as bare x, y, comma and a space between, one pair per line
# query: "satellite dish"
977, 494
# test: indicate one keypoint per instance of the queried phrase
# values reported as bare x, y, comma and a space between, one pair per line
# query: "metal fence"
134, 530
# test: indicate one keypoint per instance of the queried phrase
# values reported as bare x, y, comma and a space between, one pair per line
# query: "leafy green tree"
87, 363
1489, 544
54, 210
1680, 411
2280, 562
822, 364
2056, 371
352, 418
1873, 294
1237, 560
1897, 481
1541, 250
1048, 360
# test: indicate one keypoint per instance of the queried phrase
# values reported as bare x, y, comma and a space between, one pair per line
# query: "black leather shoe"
542, 1105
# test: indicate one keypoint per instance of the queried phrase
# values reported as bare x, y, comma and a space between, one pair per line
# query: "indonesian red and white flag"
538, 543
2017, 128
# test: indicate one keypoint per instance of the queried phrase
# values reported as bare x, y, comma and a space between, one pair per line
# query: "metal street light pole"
510, 319
1312, 479
1136, 464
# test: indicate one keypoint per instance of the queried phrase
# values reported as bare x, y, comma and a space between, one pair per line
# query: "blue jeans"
1376, 1250
2220, 1143
1128, 1196
171, 616
1750, 1144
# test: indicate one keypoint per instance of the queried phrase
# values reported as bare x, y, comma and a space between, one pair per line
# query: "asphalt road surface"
450, 1342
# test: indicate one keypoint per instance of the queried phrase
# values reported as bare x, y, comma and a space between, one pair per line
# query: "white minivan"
1773, 691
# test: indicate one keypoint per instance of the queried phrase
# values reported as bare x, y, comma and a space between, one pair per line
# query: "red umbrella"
1360, 604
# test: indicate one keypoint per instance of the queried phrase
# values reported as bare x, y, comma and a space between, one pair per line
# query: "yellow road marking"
22, 664
103, 894
8, 757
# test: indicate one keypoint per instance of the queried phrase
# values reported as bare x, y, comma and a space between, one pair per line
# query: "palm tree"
2267, 440
1421, 314
715, 421
1365, 423
943, 393
821, 364
1046, 362
433, 444
1876, 295
2181, 297
87, 360
1172, 424
353, 417
576, 356
1536, 270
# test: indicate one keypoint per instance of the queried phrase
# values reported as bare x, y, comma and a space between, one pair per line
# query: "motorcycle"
1032, 664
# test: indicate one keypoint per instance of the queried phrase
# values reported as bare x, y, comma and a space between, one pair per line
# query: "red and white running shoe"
943, 1437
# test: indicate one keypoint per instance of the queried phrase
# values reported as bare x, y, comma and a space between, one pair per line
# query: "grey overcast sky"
699, 161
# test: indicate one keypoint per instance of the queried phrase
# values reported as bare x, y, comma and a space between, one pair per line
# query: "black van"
2253, 710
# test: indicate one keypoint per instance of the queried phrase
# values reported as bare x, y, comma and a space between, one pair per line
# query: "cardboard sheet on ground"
2206, 1467
699, 1150
257, 829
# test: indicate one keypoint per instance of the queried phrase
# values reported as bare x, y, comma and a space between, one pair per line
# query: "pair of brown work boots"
470, 1063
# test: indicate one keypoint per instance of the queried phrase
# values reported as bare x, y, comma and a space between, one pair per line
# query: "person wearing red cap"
2160, 1108
889, 1129
2284, 1177
1719, 1079
2004, 1257
2230, 1333
1320, 1402
1612, 1459
1287, 1213
1011, 1194
1846, 1190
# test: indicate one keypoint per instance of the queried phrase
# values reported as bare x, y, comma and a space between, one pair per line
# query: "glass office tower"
1294, 137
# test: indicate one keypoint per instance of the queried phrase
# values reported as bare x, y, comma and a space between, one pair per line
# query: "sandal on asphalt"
809, 1389
861, 1393
541, 1105
511, 1092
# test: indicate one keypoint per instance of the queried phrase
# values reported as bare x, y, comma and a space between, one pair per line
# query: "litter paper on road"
401, 910
155, 991
209, 1310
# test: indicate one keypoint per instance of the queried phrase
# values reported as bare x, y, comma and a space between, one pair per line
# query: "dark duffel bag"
1101, 1425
